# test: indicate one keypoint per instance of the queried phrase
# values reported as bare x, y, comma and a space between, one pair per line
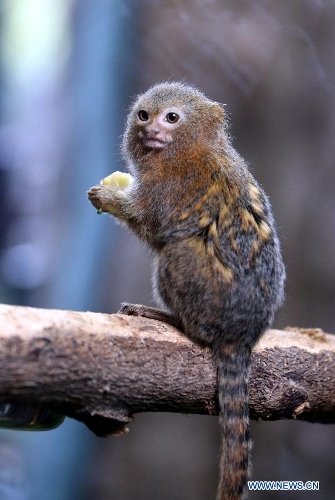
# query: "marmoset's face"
156, 130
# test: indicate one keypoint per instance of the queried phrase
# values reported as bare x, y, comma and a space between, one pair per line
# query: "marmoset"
218, 270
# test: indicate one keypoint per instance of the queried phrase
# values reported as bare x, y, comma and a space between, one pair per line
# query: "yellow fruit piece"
118, 179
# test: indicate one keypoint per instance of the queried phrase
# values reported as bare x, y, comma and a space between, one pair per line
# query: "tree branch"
101, 369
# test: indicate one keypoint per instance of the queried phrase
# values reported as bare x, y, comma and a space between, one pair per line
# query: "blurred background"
68, 72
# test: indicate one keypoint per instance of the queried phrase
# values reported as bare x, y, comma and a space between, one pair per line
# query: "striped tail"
233, 370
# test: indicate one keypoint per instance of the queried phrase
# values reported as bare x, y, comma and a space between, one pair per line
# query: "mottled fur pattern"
218, 267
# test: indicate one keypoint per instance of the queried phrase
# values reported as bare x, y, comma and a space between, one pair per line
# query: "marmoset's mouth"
154, 142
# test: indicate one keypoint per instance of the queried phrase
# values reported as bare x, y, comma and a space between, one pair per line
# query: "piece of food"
118, 179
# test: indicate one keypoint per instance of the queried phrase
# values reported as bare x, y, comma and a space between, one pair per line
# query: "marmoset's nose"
152, 128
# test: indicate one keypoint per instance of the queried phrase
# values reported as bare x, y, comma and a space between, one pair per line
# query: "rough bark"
101, 369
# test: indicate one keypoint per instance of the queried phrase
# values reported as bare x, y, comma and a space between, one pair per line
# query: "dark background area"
68, 73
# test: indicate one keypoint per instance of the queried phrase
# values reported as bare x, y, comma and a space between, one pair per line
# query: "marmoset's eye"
143, 115
172, 117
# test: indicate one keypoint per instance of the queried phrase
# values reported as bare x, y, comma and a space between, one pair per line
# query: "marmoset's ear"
218, 111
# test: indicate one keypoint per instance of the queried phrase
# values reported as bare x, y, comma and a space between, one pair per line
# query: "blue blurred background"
68, 72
